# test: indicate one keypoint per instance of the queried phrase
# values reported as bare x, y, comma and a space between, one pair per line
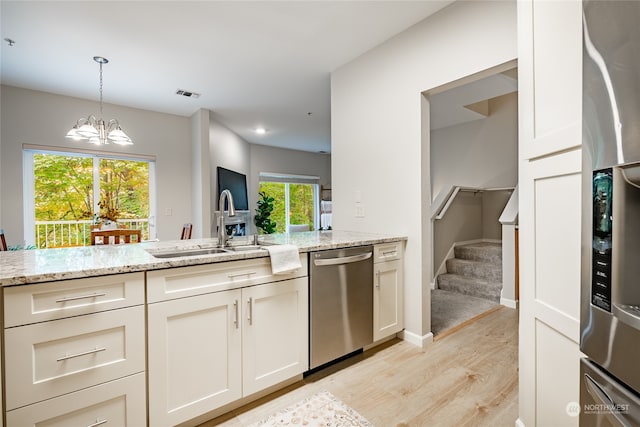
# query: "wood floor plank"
467, 378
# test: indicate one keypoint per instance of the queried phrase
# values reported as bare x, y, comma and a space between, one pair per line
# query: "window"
296, 199
67, 193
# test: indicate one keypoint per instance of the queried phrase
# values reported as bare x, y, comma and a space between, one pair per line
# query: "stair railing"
445, 198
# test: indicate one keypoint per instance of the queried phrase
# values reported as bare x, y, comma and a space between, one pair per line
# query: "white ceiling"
255, 63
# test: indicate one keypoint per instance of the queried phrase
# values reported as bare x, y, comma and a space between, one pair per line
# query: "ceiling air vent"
187, 93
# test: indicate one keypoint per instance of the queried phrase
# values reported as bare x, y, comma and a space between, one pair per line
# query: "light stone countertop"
45, 265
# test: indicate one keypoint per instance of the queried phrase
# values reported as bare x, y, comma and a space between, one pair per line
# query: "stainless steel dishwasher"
340, 303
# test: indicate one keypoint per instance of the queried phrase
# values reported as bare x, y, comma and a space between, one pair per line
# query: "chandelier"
96, 130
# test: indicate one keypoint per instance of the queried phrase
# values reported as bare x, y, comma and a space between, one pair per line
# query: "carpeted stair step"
482, 270
470, 286
482, 251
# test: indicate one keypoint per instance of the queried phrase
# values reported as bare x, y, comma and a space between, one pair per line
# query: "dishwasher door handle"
342, 260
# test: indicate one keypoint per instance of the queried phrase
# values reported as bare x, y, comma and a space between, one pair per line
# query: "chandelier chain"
101, 90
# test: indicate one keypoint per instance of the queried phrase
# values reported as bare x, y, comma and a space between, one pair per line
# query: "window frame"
28, 179
288, 179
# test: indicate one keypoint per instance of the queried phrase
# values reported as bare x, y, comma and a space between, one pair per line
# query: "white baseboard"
508, 302
519, 423
415, 339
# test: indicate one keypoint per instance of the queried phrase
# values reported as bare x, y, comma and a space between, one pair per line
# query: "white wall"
480, 154
377, 134
40, 118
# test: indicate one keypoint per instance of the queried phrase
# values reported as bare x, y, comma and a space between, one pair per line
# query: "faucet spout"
225, 195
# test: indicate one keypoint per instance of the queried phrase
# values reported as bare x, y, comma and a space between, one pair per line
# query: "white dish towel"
284, 258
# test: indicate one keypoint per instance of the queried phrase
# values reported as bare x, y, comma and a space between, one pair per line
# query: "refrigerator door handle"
601, 397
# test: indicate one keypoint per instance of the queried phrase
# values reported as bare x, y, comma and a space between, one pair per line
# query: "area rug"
320, 410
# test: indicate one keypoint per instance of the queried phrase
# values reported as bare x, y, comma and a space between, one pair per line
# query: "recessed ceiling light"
261, 131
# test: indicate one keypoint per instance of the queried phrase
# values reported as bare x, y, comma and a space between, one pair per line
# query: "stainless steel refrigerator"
610, 284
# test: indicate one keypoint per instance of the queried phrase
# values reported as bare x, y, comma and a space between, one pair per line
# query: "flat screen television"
236, 183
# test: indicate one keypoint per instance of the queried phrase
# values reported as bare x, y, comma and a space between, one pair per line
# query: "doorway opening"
472, 176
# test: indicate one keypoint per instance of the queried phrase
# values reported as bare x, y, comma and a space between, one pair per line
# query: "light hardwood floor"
466, 378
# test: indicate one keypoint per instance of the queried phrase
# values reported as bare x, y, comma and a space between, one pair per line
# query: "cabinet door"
194, 356
275, 334
387, 299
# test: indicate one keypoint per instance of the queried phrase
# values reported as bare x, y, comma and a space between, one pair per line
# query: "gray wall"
40, 118
187, 151
478, 154
471, 216
278, 160
232, 152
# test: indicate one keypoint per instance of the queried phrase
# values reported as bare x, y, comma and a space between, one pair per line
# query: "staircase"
475, 270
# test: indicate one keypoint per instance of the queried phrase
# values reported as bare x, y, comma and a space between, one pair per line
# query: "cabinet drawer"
181, 282
48, 359
116, 403
388, 251
56, 300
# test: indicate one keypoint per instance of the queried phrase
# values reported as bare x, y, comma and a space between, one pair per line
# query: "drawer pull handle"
98, 423
248, 274
387, 253
93, 295
84, 353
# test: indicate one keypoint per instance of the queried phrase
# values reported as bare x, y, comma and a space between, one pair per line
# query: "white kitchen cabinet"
388, 291
550, 187
63, 339
275, 333
115, 403
208, 350
195, 356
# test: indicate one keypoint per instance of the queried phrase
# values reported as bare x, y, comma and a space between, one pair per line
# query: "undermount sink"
207, 251
241, 248
191, 252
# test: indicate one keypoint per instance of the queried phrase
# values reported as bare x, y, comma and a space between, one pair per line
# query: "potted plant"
109, 214
262, 219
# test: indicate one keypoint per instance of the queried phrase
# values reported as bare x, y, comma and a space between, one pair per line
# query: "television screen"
237, 184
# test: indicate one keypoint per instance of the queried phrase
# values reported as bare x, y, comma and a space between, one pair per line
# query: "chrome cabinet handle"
250, 316
393, 252
235, 318
93, 295
98, 423
84, 353
248, 274
378, 279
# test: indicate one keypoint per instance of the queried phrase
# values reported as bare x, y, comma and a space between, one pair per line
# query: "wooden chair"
3, 242
118, 234
186, 231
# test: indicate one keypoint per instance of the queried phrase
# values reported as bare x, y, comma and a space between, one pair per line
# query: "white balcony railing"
55, 234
